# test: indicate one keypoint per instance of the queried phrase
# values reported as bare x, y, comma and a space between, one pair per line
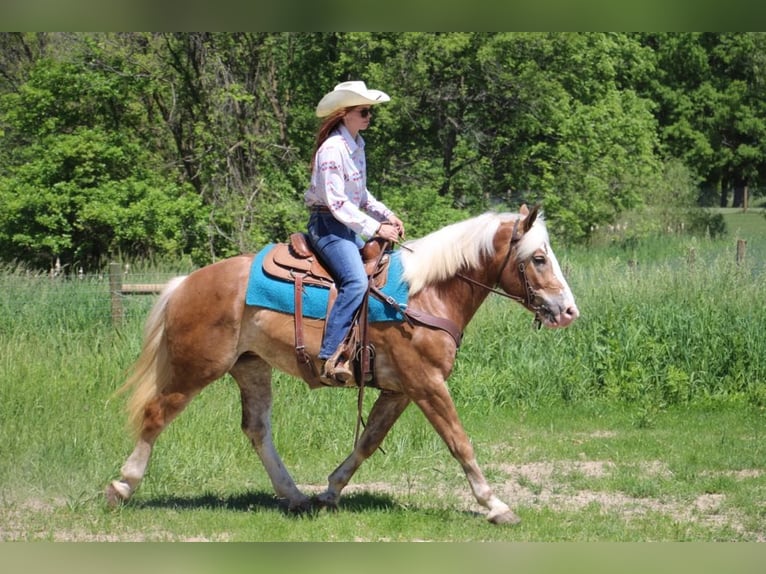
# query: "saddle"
297, 263
287, 261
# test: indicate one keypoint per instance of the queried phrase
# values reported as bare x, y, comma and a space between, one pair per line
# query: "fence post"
115, 291
741, 247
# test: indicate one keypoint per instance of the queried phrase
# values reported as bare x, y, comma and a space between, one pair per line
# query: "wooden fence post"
115, 291
741, 247
118, 289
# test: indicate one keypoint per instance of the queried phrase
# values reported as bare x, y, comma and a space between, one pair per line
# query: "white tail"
150, 372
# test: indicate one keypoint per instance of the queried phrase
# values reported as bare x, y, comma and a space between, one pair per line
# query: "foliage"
708, 91
198, 144
78, 188
577, 140
668, 208
423, 209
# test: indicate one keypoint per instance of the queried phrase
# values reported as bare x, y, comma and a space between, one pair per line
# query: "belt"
319, 209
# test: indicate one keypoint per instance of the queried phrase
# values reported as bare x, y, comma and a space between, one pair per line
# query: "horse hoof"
326, 502
301, 507
507, 517
114, 498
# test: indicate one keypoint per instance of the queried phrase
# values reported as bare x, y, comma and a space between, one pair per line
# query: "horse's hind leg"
253, 375
385, 412
158, 413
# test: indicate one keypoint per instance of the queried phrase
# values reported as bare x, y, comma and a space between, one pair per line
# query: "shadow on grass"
262, 500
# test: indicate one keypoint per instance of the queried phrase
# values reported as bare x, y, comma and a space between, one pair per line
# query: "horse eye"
539, 259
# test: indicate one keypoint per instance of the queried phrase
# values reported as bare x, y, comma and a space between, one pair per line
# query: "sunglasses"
365, 112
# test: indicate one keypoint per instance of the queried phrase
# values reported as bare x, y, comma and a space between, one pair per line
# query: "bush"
706, 223
422, 209
663, 332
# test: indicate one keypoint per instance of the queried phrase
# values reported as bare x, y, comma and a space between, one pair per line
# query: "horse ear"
530, 217
524, 210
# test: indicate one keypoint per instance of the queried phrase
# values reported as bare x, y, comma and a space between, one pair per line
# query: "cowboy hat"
347, 94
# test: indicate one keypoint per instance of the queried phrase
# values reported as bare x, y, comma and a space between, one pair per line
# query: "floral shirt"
339, 182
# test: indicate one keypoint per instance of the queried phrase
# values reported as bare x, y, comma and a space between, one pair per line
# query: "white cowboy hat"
347, 94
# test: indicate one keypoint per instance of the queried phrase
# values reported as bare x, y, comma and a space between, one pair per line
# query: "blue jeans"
338, 248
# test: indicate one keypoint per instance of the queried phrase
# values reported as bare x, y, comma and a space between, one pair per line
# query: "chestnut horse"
200, 329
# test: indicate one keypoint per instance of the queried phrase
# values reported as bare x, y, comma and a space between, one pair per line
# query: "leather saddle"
287, 261
296, 262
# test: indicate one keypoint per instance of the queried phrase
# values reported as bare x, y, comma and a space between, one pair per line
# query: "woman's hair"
325, 129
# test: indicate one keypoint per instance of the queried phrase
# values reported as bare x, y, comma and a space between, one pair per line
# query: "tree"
225, 102
488, 118
80, 185
200, 143
561, 129
710, 108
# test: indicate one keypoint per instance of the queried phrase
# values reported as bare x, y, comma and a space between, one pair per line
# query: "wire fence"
80, 300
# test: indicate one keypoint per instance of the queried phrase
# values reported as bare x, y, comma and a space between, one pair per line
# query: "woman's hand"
396, 222
388, 231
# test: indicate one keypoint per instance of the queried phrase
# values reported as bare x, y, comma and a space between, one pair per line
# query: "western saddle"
296, 262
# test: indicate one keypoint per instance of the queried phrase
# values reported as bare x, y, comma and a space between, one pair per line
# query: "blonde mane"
461, 246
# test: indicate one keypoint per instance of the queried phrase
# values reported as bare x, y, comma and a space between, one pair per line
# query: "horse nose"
572, 312
567, 316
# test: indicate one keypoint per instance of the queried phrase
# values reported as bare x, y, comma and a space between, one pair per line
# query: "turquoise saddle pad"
278, 295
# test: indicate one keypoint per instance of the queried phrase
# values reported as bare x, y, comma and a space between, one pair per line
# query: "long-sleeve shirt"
339, 183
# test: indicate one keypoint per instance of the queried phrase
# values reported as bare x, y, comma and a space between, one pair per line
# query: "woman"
343, 211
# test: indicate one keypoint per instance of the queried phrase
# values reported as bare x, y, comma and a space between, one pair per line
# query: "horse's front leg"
385, 412
434, 400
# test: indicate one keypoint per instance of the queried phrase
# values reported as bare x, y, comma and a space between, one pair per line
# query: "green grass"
644, 421
745, 225
659, 334
205, 484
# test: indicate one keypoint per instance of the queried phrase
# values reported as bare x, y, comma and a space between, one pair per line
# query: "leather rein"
527, 301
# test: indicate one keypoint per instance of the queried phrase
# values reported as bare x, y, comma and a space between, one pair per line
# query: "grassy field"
644, 421
747, 225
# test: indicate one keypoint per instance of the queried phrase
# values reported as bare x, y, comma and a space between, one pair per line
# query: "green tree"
80, 185
573, 138
200, 143
225, 101
510, 118
710, 108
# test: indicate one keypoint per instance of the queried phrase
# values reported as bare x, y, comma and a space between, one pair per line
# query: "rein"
528, 300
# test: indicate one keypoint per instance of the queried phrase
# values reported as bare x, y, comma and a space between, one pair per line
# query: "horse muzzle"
554, 315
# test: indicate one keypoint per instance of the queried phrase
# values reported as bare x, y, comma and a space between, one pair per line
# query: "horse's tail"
151, 371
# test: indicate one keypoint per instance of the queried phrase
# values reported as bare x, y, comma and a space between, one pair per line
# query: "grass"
651, 484
744, 224
644, 421
665, 333
205, 483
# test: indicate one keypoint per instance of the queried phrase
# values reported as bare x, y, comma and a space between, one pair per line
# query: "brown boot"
338, 370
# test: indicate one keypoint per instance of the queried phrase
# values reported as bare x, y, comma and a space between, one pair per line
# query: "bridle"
529, 298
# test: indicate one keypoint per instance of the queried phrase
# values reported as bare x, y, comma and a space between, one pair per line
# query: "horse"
200, 328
